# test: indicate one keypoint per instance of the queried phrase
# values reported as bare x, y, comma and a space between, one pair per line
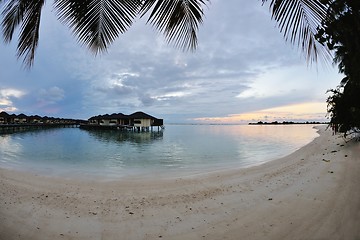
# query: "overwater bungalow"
4, 117
143, 120
13, 122
35, 119
139, 121
21, 118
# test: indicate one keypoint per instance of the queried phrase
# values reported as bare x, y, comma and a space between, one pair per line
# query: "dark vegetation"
285, 123
340, 32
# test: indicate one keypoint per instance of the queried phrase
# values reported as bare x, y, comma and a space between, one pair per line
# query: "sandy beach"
314, 193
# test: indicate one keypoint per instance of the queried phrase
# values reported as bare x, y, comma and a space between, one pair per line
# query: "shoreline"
312, 193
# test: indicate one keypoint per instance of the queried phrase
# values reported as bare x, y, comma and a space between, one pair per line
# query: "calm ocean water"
178, 150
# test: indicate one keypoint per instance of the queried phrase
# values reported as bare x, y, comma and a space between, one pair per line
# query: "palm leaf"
27, 13
97, 23
12, 16
178, 20
299, 20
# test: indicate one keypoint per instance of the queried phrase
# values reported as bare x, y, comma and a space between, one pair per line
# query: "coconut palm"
299, 21
97, 23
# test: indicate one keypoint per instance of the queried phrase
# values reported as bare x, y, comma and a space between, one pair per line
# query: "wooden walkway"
11, 128
8, 128
120, 127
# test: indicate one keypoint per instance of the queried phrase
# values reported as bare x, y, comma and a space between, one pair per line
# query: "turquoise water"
178, 150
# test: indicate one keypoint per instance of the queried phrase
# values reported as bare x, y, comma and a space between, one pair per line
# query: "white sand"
300, 196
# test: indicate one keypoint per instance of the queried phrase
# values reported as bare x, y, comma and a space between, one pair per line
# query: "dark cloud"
51, 95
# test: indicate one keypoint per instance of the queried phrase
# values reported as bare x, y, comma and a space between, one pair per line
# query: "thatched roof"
4, 114
135, 115
141, 115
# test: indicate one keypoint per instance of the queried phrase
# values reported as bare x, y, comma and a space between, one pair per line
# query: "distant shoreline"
286, 123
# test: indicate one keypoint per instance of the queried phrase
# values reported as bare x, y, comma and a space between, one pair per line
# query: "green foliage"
340, 32
344, 108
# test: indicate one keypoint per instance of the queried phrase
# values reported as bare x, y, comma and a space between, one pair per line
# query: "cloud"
7, 95
205, 82
51, 95
9, 92
115, 85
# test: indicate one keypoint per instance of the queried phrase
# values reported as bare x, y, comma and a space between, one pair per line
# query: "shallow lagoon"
179, 150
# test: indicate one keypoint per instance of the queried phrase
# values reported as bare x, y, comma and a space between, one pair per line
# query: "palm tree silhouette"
299, 20
97, 23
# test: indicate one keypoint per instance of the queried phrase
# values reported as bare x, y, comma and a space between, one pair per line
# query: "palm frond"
29, 36
97, 23
12, 16
178, 20
27, 13
299, 20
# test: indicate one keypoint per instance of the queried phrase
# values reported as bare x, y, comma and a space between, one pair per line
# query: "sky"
242, 71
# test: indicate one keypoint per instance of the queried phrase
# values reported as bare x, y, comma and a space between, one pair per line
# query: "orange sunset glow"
313, 111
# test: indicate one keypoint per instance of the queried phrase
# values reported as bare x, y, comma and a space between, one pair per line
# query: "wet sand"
313, 193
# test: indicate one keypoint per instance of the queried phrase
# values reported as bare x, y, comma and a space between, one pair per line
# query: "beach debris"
325, 160
333, 151
330, 171
346, 155
131, 213
270, 199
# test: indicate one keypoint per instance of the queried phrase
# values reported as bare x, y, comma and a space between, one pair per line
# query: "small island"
286, 123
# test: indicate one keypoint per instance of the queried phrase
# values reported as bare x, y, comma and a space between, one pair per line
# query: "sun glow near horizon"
311, 111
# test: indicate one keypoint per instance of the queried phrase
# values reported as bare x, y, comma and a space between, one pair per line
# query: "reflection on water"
274, 133
125, 136
9, 149
176, 150
258, 143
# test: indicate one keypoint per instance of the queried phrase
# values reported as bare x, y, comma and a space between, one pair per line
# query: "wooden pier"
10, 128
137, 122
121, 127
